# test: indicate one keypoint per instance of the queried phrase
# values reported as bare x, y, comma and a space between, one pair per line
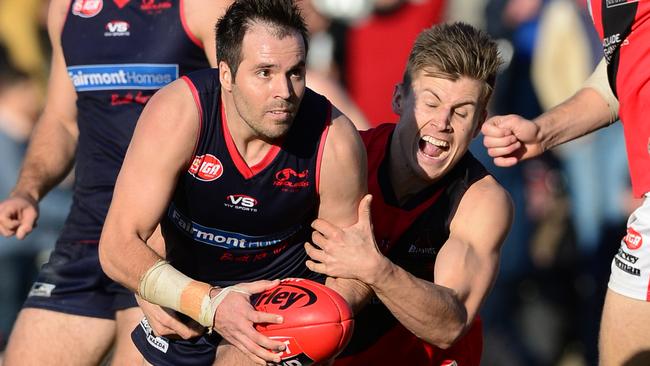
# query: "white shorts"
631, 266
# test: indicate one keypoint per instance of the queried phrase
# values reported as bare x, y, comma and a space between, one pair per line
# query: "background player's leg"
624, 331
125, 352
44, 337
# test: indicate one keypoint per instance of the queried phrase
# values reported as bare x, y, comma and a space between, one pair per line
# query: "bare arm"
202, 16
465, 269
52, 145
160, 150
343, 183
510, 139
438, 312
136, 211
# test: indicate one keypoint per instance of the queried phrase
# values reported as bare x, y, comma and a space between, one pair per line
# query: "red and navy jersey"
230, 223
411, 235
118, 53
624, 27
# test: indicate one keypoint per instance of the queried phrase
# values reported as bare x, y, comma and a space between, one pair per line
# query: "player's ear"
481, 117
225, 76
397, 99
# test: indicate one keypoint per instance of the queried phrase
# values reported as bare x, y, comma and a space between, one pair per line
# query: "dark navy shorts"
72, 282
162, 351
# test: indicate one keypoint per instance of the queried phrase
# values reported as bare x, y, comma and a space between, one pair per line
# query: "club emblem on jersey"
87, 8
633, 239
206, 168
155, 6
292, 180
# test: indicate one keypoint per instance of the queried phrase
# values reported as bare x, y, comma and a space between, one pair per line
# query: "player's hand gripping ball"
317, 323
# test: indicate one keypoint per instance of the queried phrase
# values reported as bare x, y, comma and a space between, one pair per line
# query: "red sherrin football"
317, 321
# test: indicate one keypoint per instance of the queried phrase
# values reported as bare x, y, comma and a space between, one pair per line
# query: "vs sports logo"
117, 28
241, 202
206, 168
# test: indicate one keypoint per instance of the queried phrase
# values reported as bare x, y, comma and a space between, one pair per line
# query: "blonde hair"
452, 51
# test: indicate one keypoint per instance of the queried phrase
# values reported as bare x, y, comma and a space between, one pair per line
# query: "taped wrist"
164, 285
599, 82
216, 301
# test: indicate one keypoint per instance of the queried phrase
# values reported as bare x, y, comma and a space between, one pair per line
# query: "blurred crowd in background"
571, 204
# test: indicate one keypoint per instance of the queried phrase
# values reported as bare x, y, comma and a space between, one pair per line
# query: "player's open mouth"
432, 147
280, 112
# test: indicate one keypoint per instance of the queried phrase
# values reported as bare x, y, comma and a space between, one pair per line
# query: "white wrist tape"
599, 82
164, 285
216, 301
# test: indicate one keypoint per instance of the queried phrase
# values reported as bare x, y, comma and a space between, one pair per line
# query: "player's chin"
276, 131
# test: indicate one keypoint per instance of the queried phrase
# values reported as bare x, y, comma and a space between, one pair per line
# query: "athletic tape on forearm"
164, 285
599, 82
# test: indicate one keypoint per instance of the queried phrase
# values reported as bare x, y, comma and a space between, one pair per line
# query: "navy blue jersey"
118, 53
230, 223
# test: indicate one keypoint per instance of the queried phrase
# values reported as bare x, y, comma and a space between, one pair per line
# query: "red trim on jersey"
321, 148
197, 101
186, 27
243, 168
121, 3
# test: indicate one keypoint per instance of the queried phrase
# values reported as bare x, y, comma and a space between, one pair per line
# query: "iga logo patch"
87, 8
206, 168
633, 239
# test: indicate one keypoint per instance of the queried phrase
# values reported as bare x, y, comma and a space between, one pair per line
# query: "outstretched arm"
439, 312
510, 139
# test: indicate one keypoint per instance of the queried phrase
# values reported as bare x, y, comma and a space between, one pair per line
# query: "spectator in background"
22, 31
622, 79
322, 69
595, 167
524, 316
371, 66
